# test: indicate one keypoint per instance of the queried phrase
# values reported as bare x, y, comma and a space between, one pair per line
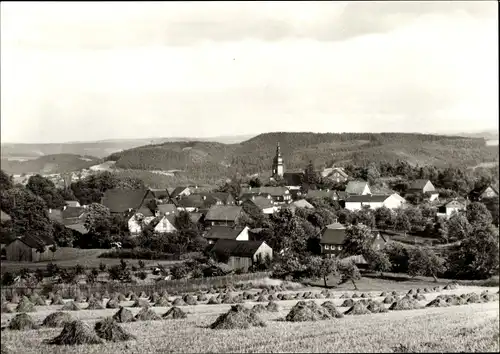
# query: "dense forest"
209, 161
59, 163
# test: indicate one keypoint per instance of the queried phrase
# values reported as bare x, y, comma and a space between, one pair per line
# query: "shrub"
141, 275
110, 330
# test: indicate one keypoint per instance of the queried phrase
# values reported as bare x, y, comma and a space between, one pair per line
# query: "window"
340, 248
326, 247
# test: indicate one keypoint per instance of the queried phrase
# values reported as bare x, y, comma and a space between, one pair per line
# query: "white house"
447, 209
375, 201
142, 217
166, 224
357, 188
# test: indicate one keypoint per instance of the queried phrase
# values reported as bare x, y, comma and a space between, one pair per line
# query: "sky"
79, 71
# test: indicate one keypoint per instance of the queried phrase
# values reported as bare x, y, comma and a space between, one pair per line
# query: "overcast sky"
99, 70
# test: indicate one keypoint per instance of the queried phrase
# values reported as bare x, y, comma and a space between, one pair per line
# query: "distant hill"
211, 159
49, 164
487, 134
98, 149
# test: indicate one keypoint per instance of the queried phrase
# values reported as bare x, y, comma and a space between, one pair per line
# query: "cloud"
104, 25
321, 67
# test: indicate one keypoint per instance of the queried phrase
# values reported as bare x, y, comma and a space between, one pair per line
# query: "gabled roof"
223, 212
195, 217
293, 178
261, 202
373, 198
329, 171
191, 201
79, 227
170, 190
35, 241
318, 193
302, 203
355, 187
333, 236
121, 200
178, 190
418, 184
223, 232
486, 188
166, 208
4, 216
144, 211
73, 212
160, 193
237, 248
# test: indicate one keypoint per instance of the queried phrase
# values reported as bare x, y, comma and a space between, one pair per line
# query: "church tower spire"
278, 168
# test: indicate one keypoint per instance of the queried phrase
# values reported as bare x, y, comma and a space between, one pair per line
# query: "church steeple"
278, 167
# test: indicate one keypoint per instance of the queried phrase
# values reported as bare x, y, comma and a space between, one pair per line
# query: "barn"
29, 248
242, 254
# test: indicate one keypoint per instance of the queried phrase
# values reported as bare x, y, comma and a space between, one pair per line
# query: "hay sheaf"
113, 303
175, 313
25, 305
451, 286
383, 294
154, 298
146, 314
307, 311
250, 297
110, 330
238, 317
202, 297
57, 300
95, 304
213, 301
365, 295
57, 319
76, 333
189, 300
6, 308
37, 300
389, 300
123, 315
332, 309
121, 297
22, 322
258, 308
228, 299
71, 306
162, 302
140, 303
437, 303
419, 297
357, 309
179, 302
405, 303
347, 303
354, 296
272, 307
376, 307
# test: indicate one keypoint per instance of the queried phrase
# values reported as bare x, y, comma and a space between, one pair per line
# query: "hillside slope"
59, 163
204, 159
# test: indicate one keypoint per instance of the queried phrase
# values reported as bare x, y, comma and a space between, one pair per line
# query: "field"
466, 328
69, 257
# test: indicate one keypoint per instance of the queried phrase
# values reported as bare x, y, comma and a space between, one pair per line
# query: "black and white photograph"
249, 177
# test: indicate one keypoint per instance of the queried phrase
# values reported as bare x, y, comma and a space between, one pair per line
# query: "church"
293, 180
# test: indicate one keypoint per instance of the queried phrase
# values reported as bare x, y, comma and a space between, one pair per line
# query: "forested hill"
48, 164
209, 159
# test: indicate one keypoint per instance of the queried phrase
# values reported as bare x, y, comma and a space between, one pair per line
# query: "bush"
7, 279
141, 275
140, 253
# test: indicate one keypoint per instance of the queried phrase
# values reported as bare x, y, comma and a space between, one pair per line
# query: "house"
72, 203
302, 203
336, 174
293, 180
423, 186
216, 198
242, 254
71, 213
249, 196
142, 217
278, 194
484, 193
180, 192
227, 233
333, 238
161, 195
191, 203
264, 204
124, 201
357, 188
374, 201
29, 248
447, 209
223, 215
166, 224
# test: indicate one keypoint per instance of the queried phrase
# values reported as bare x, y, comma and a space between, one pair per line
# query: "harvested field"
468, 328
